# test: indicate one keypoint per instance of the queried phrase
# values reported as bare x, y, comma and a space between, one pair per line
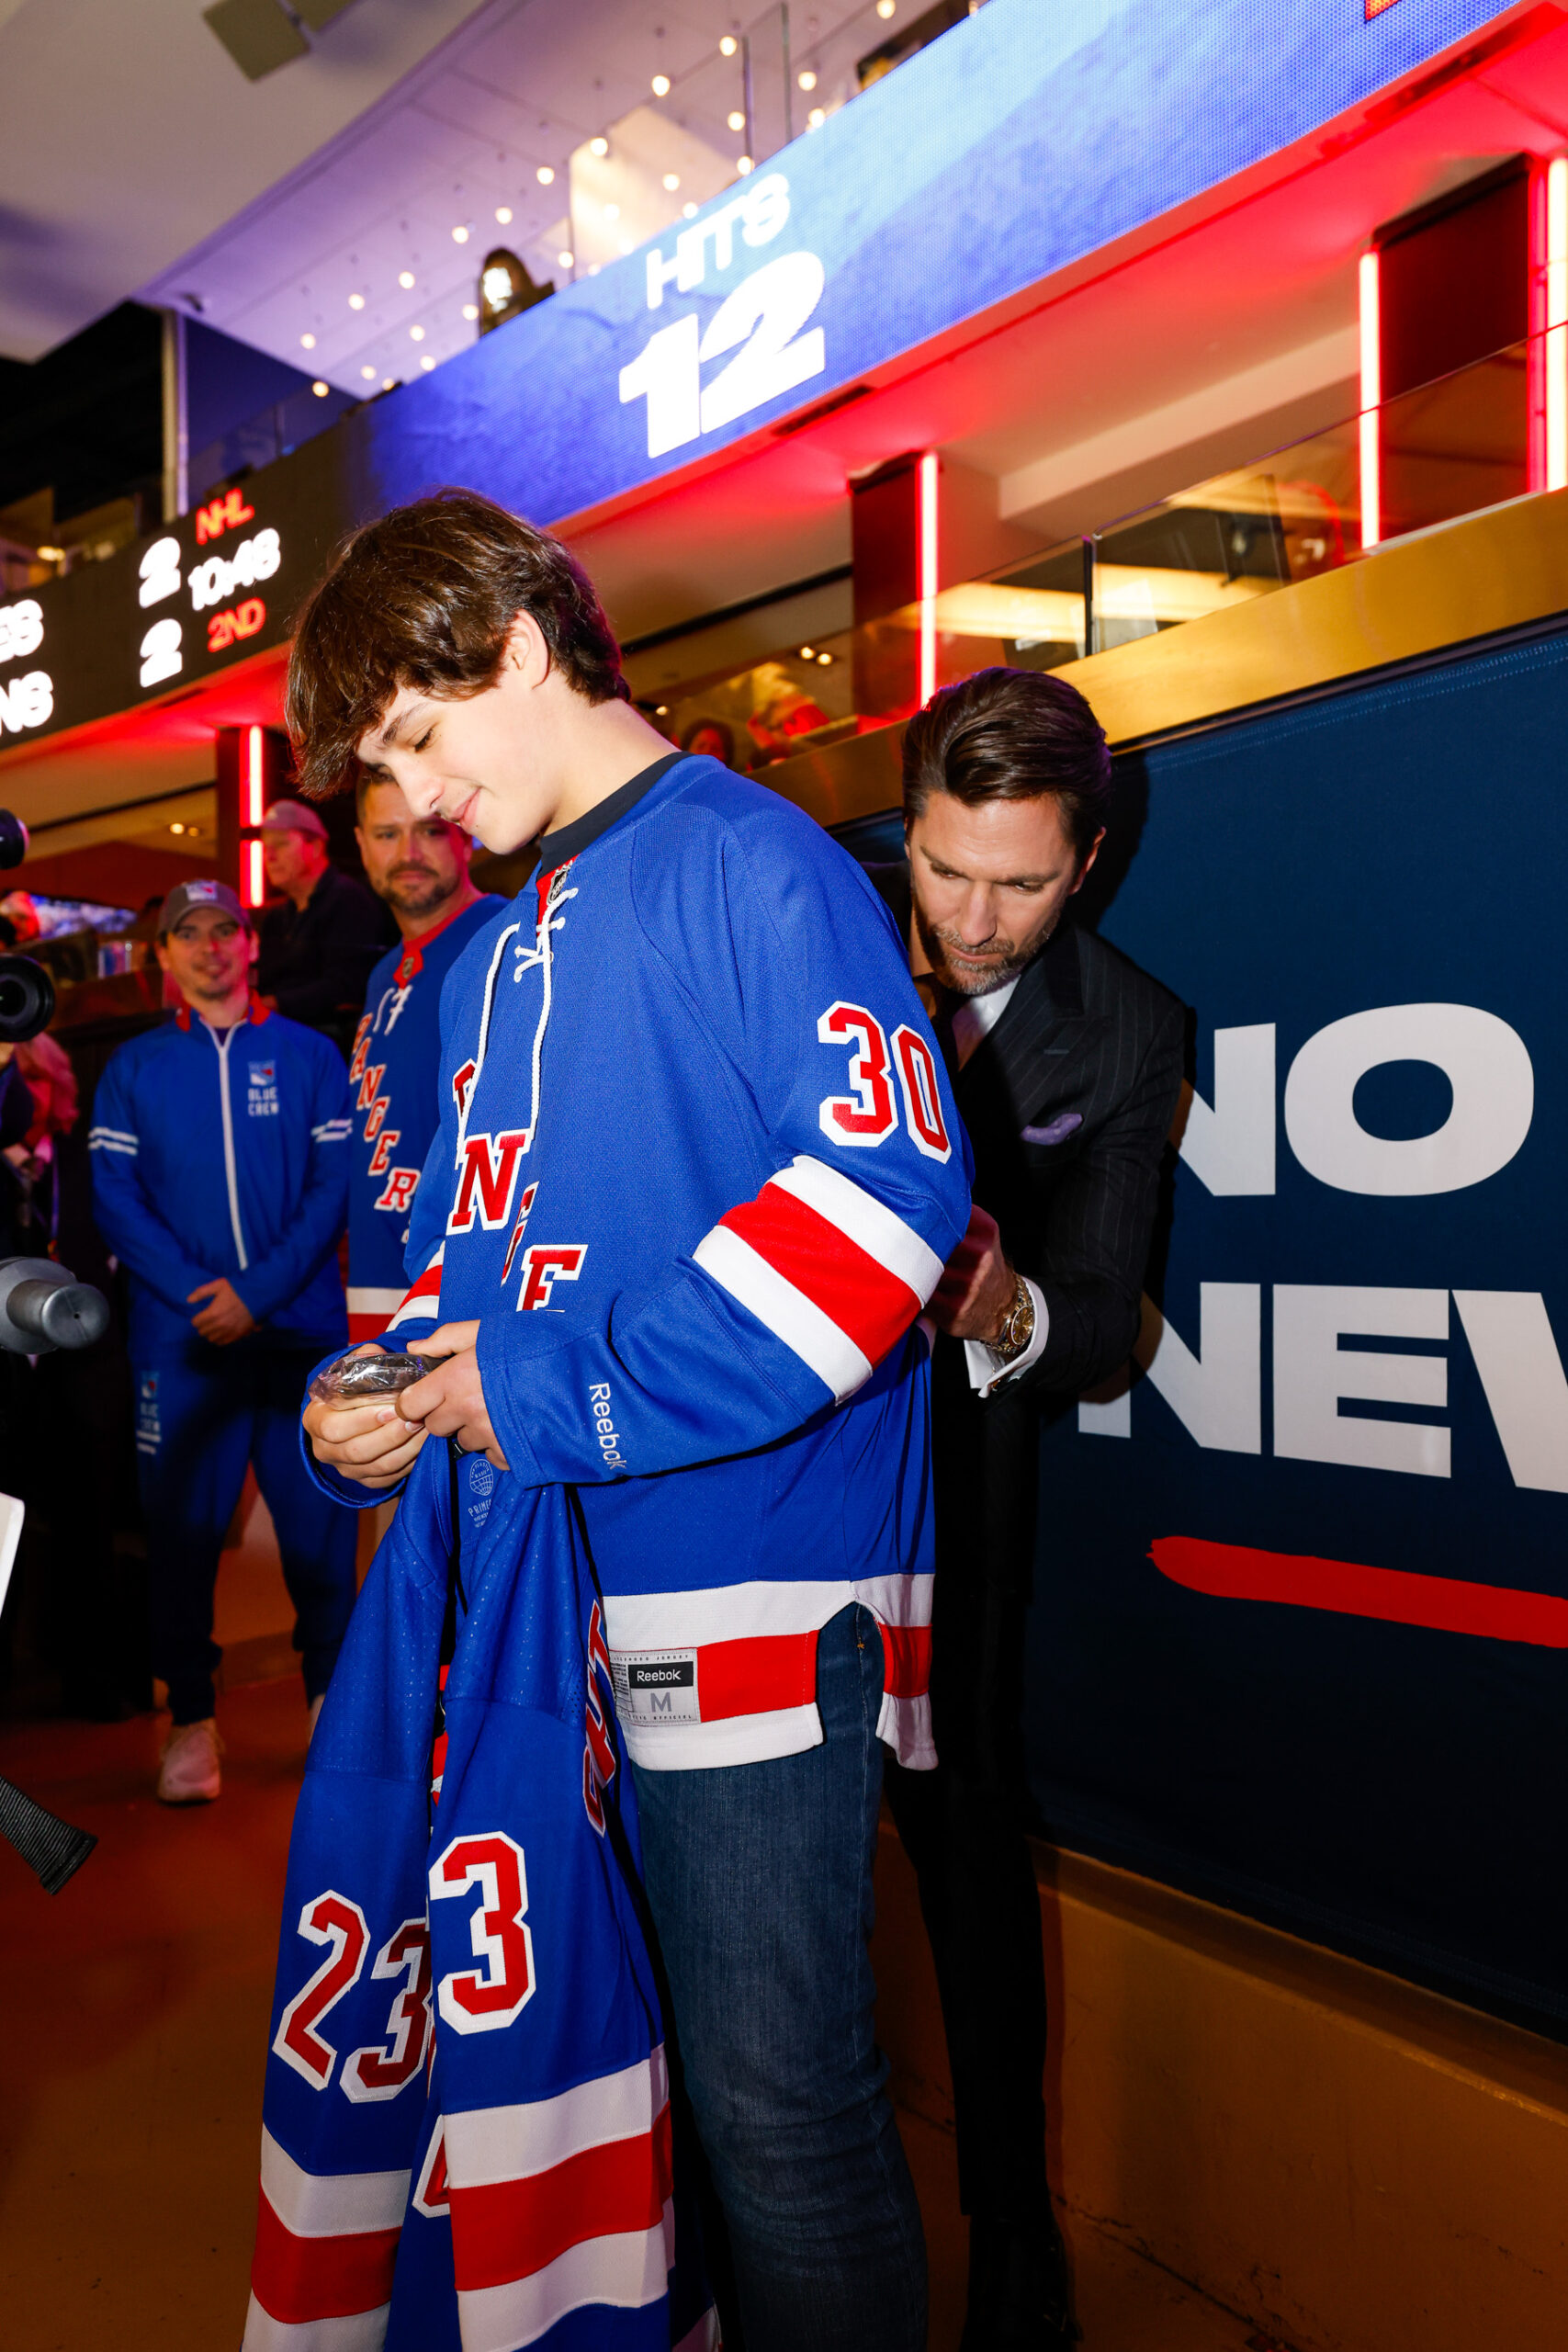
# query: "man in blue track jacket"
697, 1177
220, 1152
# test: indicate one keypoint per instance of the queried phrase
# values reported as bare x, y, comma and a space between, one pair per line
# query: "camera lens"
27, 999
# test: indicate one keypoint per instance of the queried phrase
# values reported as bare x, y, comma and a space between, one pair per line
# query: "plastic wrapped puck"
367, 1380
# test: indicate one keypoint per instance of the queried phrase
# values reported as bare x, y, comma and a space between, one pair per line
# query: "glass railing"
1465, 442
716, 123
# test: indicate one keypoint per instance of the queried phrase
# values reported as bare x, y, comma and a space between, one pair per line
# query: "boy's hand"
369, 1444
450, 1400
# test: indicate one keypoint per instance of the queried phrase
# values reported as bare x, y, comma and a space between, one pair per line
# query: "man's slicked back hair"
1011, 735
424, 598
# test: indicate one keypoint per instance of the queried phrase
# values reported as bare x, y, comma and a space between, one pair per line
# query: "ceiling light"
567, 261
369, 374
356, 301
612, 212
728, 45
809, 653
471, 310
320, 388
662, 710
176, 826
504, 214
744, 164
459, 235
545, 175
688, 212
884, 8
825, 660
52, 555
308, 342
405, 280
661, 85
816, 119
427, 361
598, 146
389, 383
808, 81
737, 120
416, 334
623, 245
672, 181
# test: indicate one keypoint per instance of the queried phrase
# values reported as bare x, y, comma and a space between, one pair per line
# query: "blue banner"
1300, 1640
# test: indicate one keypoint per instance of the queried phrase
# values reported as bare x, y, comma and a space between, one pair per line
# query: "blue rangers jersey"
224, 1155
466, 2126
697, 1174
396, 1088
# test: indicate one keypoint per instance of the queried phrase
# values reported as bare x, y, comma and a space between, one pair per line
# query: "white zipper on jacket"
230, 1170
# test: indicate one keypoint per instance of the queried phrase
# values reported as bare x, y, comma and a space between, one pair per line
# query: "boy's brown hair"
424, 598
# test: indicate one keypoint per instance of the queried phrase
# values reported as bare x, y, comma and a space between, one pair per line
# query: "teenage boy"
220, 1152
419, 865
698, 1175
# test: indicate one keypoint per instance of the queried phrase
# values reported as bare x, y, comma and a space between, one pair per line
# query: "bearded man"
1067, 1065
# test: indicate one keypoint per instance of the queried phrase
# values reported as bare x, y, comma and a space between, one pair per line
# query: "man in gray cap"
220, 1149
319, 946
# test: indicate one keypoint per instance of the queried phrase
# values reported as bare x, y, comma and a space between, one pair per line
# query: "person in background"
44, 1066
710, 739
317, 947
219, 1145
419, 865
1066, 1064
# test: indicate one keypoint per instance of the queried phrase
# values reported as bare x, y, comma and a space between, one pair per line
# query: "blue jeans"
759, 1877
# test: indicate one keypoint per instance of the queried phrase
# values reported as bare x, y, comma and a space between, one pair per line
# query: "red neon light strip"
1235, 1572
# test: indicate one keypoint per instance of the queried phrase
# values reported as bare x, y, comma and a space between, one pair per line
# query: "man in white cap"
319, 946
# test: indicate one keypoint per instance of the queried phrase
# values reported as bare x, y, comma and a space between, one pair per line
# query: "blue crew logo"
482, 1486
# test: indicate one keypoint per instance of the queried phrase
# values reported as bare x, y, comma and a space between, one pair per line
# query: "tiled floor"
136, 2005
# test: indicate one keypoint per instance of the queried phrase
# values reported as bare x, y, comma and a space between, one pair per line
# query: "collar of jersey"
559, 849
410, 963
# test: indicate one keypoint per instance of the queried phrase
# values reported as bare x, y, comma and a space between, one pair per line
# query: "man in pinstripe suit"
1067, 1062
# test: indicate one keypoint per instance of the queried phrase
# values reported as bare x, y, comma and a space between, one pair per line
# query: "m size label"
656, 1687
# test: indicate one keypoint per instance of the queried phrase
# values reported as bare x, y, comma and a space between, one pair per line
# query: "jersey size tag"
656, 1687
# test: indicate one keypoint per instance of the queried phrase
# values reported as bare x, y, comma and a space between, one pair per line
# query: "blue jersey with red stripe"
466, 2123
697, 1174
396, 1107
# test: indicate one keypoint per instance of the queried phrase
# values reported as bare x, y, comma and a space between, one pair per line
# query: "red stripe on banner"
305, 2278
753, 1676
906, 1660
1234, 1572
870, 1305
509, 2229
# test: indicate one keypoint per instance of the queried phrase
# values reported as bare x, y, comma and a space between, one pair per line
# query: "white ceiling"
516, 87
131, 134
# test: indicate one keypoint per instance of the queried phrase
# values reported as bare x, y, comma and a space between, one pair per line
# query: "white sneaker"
189, 1773
313, 1718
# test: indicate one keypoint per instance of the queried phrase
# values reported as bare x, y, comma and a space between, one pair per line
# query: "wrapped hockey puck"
367, 1380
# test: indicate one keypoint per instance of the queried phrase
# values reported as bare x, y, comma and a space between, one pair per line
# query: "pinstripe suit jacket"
1068, 1102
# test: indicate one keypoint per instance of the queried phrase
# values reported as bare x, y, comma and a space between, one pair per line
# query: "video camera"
41, 1308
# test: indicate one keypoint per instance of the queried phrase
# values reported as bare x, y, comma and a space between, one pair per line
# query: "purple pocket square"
1057, 1132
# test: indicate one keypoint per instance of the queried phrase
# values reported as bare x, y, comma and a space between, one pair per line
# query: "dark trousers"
199, 1423
962, 1826
758, 1878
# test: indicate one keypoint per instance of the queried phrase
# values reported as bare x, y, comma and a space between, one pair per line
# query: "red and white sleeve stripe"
322, 2278
423, 1300
829, 1269
370, 1310
562, 2202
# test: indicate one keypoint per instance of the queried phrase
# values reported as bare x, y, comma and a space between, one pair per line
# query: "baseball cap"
293, 817
184, 896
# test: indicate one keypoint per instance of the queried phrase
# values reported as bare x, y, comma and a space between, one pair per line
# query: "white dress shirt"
973, 1022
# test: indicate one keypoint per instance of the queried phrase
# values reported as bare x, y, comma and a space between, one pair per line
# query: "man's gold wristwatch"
1018, 1324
